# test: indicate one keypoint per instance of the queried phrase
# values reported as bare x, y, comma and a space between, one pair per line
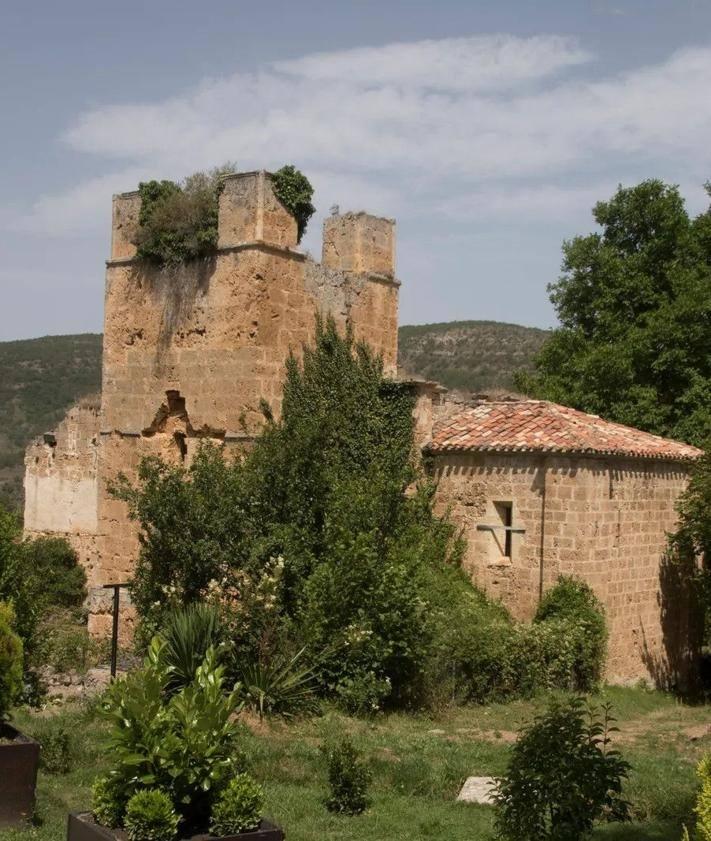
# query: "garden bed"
19, 758
81, 826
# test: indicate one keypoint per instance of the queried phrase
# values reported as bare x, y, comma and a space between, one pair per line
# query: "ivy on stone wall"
294, 191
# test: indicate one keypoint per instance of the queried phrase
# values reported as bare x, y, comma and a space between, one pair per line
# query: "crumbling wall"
605, 520
61, 476
61, 483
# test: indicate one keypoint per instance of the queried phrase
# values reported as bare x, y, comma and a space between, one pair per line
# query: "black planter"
82, 827
19, 758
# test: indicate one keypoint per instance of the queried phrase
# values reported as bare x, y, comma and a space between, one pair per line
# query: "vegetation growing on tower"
179, 222
294, 191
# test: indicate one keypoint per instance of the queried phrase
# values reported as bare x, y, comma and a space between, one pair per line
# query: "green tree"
324, 529
634, 303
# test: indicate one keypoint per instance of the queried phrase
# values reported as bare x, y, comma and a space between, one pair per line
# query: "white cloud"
82, 209
466, 126
545, 201
483, 63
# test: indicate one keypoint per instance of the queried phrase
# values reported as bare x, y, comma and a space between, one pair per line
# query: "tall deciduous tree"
634, 303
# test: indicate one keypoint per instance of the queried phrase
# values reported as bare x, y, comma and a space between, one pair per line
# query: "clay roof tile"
536, 425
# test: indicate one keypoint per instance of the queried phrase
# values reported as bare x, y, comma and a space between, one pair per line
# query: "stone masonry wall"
603, 519
61, 483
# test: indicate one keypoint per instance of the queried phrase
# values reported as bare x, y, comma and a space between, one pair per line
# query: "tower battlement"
250, 214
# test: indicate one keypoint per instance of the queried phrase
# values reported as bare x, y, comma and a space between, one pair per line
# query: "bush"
348, 779
238, 808
56, 748
36, 576
182, 742
10, 661
18, 583
65, 644
562, 777
178, 222
294, 191
61, 578
150, 816
480, 654
363, 694
573, 600
109, 798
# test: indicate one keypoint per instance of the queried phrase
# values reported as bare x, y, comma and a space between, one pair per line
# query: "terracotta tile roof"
539, 426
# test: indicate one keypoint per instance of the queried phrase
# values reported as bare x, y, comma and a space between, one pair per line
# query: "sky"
488, 130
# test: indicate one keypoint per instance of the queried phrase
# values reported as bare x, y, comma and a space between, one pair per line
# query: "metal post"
115, 625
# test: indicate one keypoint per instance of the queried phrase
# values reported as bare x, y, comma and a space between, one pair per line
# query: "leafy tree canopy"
634, 303
323, 532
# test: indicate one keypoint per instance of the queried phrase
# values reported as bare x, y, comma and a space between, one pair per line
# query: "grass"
419, 763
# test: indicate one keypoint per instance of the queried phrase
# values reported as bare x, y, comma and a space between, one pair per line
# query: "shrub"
294, 191
65, 643
18, 583
61, 578
10, 661
56, 749
470, 656
573, 600
479, 654
188, 634
283, 686
109, 798
562, 777
238, 808
363, 694
348, 779
150, 816
178, 222
35, 576
703, 804
183, 743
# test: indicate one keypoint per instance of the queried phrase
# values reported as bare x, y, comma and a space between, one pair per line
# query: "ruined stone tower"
189, 352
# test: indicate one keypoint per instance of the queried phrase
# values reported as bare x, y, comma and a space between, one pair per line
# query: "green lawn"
418, 763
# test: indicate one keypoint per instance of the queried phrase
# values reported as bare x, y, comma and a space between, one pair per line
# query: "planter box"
19, 758
82, 827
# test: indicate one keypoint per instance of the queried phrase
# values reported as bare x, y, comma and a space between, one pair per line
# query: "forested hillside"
39, 380
469, 355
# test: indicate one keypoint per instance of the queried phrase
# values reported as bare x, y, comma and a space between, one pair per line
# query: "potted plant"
19, 755
176, 769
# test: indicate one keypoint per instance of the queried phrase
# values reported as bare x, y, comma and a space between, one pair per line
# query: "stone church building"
537, 489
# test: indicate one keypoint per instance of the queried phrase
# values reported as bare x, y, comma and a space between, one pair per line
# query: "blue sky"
487, 129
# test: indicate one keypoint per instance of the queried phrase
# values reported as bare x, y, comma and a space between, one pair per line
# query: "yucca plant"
283, 686
188, 633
